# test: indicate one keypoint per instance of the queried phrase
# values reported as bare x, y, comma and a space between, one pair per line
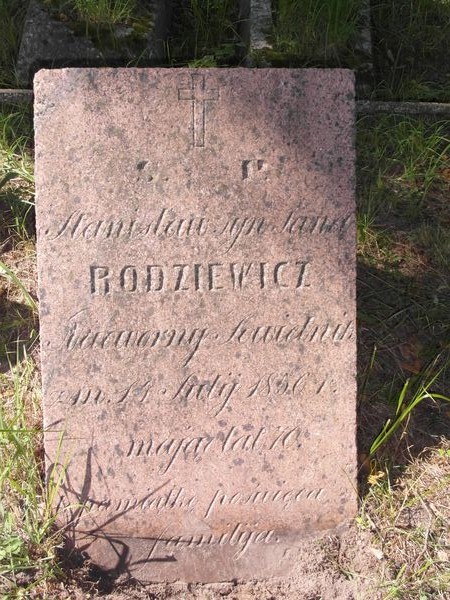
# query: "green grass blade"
6, 272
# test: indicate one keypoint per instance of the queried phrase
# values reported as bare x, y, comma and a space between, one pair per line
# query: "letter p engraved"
198, 94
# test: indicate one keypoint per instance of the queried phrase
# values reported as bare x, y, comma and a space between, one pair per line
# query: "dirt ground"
331, 568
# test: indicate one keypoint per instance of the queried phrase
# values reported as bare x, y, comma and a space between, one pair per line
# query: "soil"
331, 568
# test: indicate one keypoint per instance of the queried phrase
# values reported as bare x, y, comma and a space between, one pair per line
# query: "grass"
408, 160
12, 13
11, 276
205, 33
412, 49
27, 547
16, 172
17, 303
408, 525
105, 11
28, 540
95, 12
407, 401
315, 32
403, 182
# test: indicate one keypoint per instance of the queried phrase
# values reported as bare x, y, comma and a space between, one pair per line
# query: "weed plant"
408, 400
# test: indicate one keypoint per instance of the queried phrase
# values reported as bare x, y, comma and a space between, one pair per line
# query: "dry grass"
409, 523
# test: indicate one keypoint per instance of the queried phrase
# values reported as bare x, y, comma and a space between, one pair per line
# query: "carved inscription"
217, 392
168, 224
91, 395
281, 497
179, 498
198, 277
250, 168
240, 537
308, 330
196, 244
199, 94
235, 439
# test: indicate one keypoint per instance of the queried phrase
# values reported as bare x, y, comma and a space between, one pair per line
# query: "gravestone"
196, 255
50, 43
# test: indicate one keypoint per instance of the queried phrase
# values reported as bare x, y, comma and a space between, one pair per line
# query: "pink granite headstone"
196, 253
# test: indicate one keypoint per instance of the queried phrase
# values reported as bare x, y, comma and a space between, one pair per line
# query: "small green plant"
408, 400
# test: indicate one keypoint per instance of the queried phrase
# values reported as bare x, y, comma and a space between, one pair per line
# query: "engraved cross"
199, 96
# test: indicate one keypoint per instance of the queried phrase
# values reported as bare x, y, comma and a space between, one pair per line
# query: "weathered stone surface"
196, 254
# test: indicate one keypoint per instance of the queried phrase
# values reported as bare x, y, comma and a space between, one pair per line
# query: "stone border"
373, 107
363, 107
16, 96
46, 42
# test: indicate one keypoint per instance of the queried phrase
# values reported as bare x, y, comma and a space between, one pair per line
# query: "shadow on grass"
403, 328
403, 283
